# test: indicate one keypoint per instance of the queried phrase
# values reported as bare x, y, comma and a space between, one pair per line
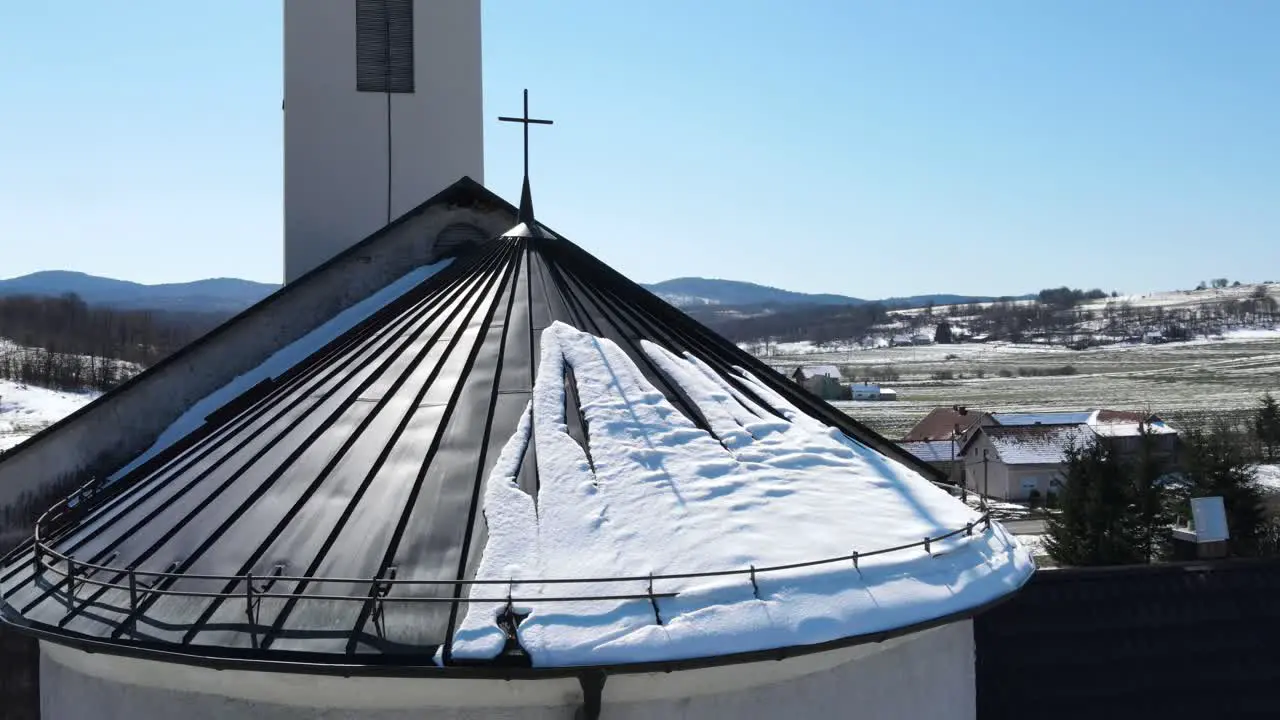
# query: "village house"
1020, 456
942, 422
1019, 462
821, 380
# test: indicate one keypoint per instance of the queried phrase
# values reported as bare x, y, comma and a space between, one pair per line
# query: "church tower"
382, 109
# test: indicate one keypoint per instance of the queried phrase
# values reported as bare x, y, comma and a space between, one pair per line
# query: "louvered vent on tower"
384, 46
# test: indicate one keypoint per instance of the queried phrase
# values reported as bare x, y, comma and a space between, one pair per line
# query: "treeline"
64, 343
1066, 316
1065, 297
819, 324
1115, 321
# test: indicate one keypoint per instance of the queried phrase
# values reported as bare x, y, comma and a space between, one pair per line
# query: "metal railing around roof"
135, 582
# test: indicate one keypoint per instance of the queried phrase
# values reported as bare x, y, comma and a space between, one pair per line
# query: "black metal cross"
527, 121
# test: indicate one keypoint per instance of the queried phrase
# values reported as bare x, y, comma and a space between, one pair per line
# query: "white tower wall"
344, 148
929, 674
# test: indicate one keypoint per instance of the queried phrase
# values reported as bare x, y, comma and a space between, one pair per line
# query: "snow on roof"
1131, 429
932, 451
830, 371
653, 493
1036, 444
1043, 418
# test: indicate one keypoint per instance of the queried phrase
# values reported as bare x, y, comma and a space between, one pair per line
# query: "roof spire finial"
526, 196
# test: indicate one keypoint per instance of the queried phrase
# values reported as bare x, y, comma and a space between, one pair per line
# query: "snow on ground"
1034, 544
1000, 509
26, 410
657, 495
282, 360
1269, 477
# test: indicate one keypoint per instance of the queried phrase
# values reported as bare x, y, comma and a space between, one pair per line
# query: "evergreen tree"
1267, 424
1096, 522
942, 335
1215, 465
1153, 510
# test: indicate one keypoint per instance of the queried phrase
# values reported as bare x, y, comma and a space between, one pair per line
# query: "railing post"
71, 583
755, 588
926, 546
248, 609
854, 556
654, 601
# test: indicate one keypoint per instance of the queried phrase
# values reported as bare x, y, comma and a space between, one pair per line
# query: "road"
1034, 526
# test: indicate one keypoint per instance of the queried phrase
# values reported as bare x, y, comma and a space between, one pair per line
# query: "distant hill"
696, 292
213, 295
233, 295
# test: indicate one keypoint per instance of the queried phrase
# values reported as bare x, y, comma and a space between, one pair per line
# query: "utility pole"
984, 479
964, 484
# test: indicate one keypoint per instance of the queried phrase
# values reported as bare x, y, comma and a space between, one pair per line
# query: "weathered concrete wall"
925, 675
109, 432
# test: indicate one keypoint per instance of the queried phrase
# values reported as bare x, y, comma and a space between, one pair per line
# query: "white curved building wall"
925, 675
340, 144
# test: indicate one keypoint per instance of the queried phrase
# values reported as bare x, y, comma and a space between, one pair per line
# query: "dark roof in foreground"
1186, 640
304, 476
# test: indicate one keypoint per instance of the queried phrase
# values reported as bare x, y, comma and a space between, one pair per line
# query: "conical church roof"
527, 414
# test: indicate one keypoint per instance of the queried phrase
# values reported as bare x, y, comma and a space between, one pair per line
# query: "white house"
1021, 461
868, 391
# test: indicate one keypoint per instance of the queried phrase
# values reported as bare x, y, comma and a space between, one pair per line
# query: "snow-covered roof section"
652, 494
1036, 444
1043, 418
525, 414
1131, 429
527, 230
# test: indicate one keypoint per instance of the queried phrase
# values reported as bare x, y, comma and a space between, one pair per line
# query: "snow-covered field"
1170, 299
26, 410
1175, 379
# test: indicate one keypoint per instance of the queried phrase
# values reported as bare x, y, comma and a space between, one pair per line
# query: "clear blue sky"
863, 147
